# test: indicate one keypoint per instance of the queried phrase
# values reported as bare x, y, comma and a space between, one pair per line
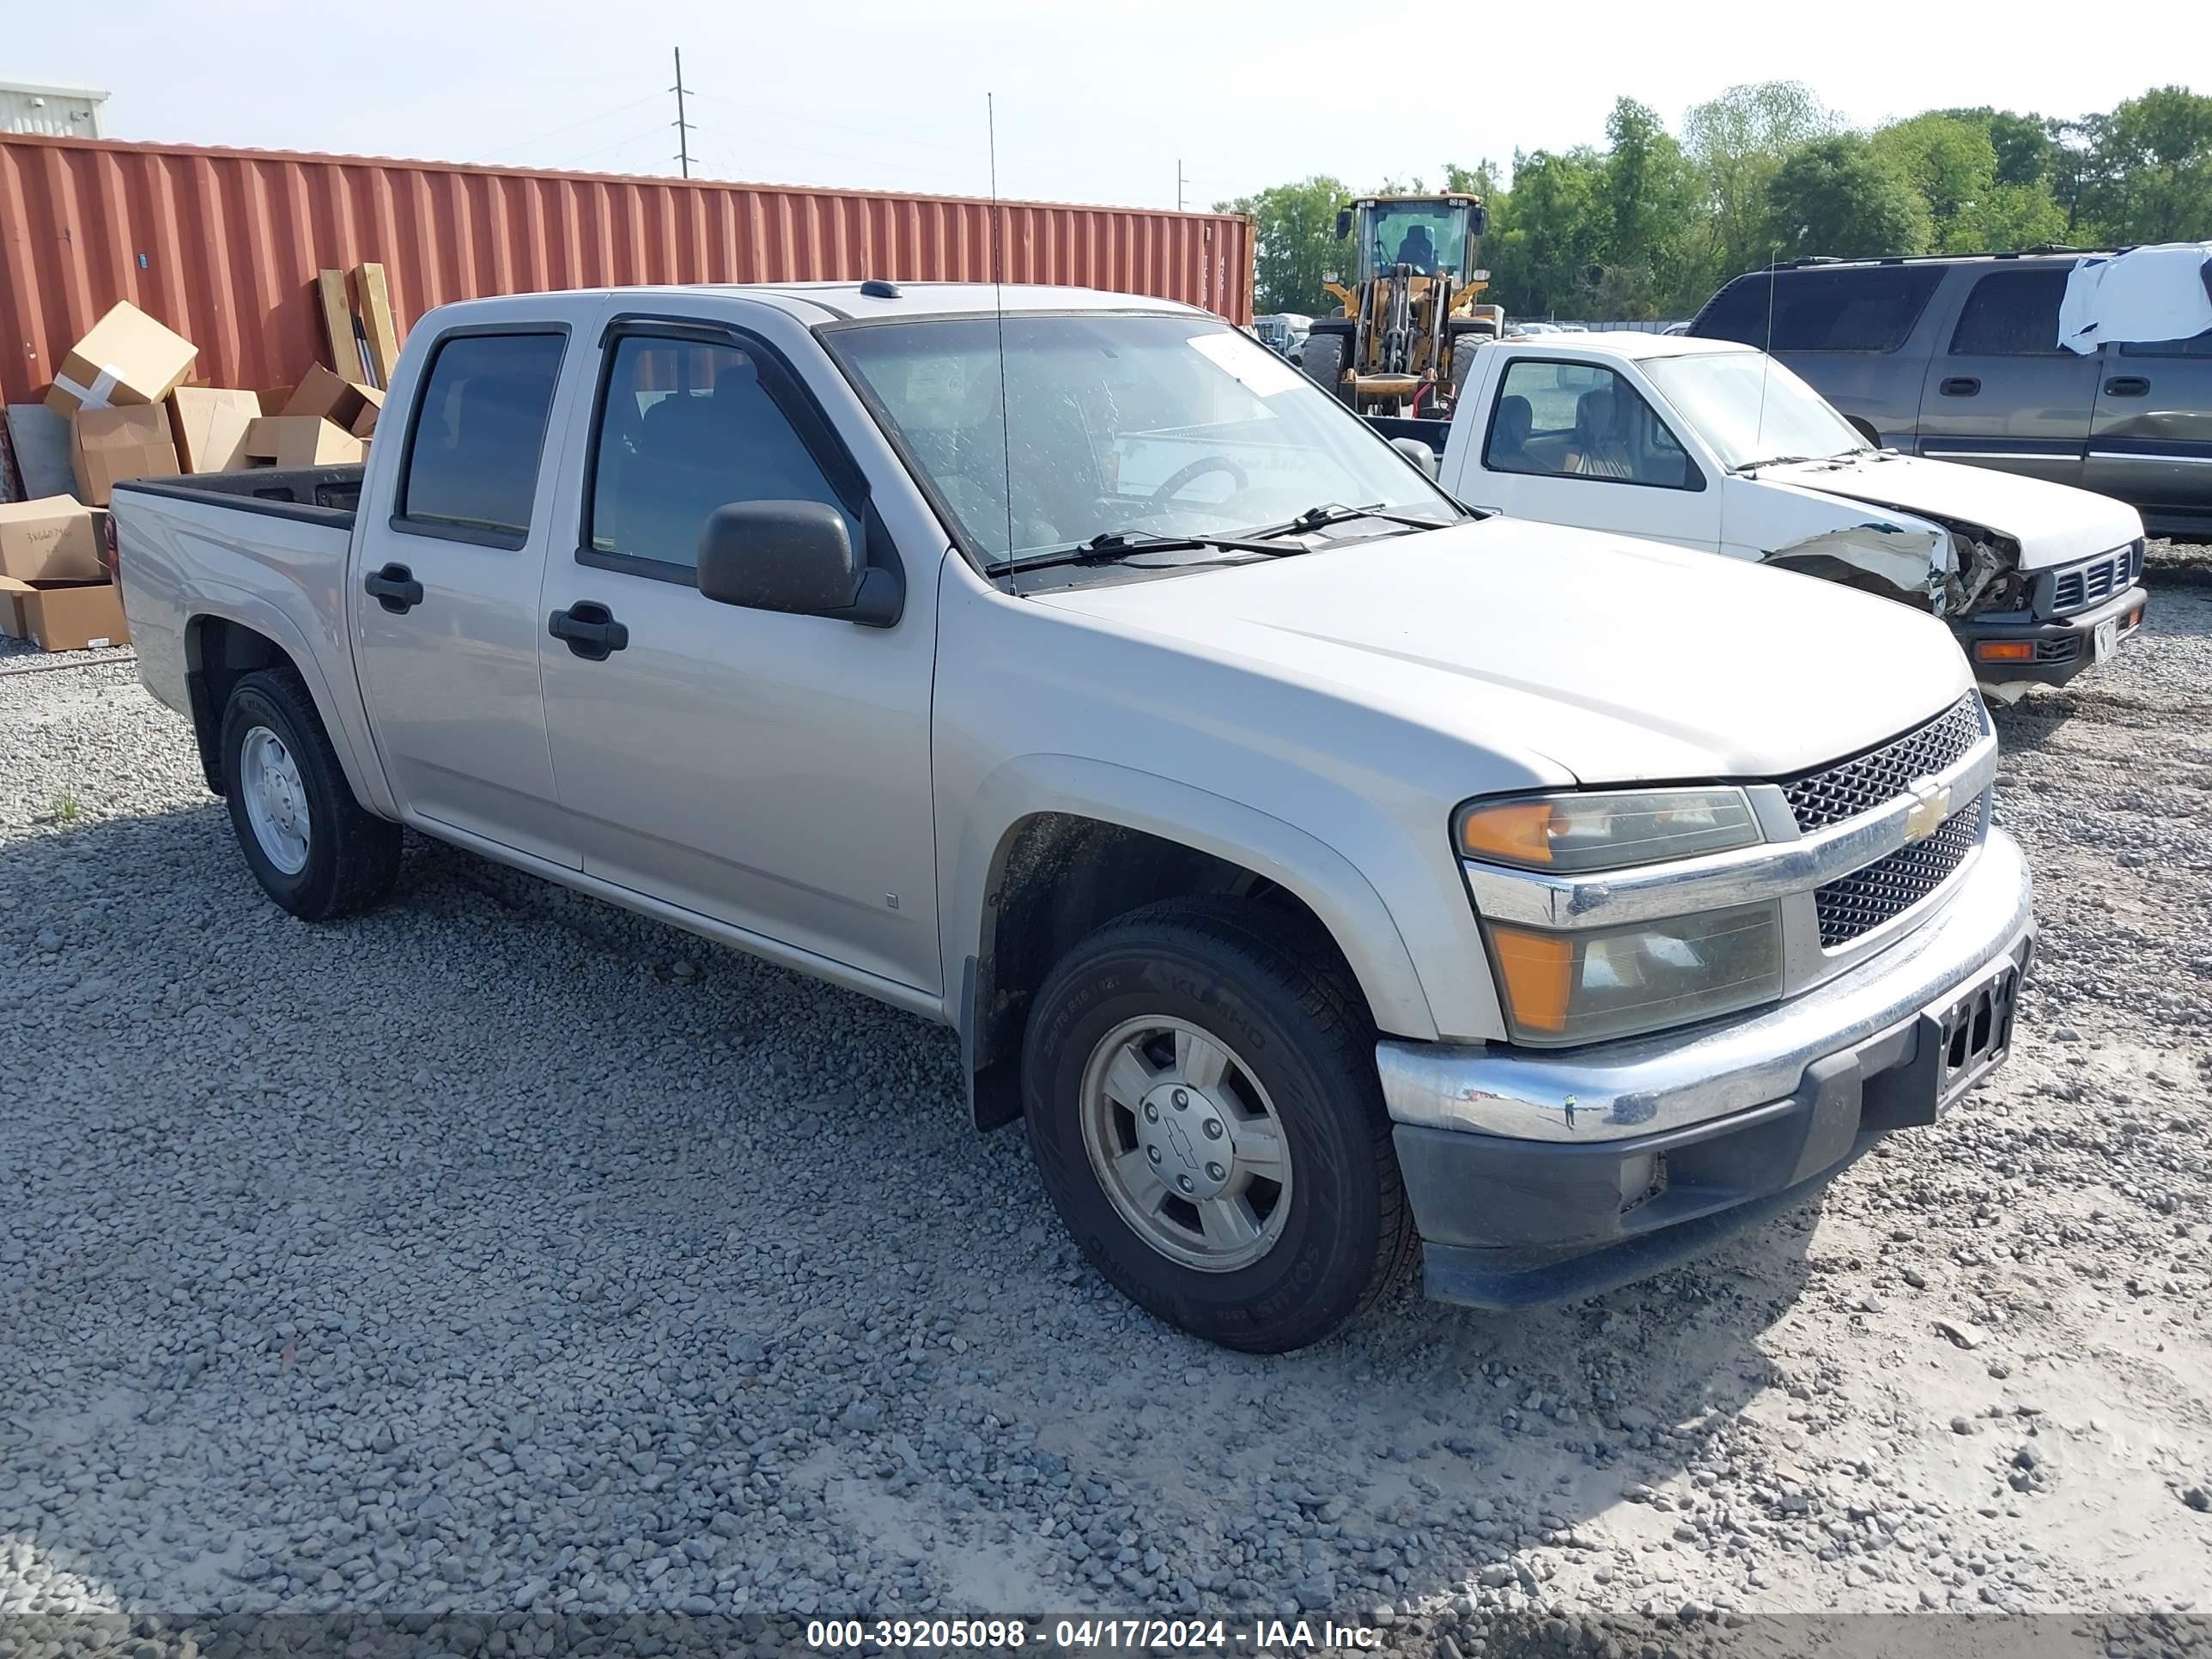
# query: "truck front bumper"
1539, 1177
2062, 649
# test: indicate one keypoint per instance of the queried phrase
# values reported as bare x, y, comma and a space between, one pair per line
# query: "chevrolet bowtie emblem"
1931, 804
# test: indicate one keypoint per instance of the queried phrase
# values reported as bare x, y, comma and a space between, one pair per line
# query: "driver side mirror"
1343, 223
796, 557
1478, 221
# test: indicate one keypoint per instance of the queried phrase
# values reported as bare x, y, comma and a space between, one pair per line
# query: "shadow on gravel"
431, 1247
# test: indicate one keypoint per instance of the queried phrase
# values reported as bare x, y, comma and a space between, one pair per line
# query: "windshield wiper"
1330, 513
1771, 460
1112, 544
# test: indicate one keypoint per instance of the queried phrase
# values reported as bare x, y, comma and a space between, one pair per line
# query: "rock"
1962, 1334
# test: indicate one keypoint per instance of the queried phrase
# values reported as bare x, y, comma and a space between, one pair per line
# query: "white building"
57, 112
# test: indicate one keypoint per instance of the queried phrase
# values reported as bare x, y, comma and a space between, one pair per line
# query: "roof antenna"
998, 306
1766, 356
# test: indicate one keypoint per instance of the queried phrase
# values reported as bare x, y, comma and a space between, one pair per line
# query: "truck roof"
1625, 343
814, 302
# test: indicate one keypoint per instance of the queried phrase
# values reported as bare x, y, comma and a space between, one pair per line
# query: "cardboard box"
51, 540
274, 399
110, 445
63, 616
372, 405
302, 440
209, 425
330, 396
127, 358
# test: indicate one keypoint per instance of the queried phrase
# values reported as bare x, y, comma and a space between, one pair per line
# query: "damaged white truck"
1716, 446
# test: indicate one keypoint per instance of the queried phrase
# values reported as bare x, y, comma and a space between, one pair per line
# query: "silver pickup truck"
1323, 871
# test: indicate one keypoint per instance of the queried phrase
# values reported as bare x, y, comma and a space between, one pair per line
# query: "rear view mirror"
1343, 223
1478, 221
796, 557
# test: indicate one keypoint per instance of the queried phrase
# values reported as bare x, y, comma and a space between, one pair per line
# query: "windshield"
1149, 425
1425, 235
1750, 408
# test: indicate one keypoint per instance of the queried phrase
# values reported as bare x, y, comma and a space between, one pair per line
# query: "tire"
1269, 994
1462, 359
1324, 361
291, 803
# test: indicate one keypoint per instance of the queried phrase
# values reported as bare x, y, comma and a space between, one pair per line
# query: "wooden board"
379, 332
42, 440
338, 325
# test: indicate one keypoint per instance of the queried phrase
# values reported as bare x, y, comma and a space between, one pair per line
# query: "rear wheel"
1324, 361
1199, 1079
1463, 342
313, 847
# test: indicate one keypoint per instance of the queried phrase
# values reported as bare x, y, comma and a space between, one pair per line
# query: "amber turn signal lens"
1538, 969
2135, 617
1519, 833
2004, 651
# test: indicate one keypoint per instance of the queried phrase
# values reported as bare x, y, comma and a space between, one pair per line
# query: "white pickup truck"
1715, 445
1321, 871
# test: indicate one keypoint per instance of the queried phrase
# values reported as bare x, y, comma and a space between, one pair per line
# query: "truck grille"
1880, 776
1887, 887
2094, 581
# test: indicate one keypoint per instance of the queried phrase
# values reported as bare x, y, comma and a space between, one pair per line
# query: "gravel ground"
502, 1252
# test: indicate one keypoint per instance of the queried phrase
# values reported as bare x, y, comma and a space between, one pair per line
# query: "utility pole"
683, 126
1179, 182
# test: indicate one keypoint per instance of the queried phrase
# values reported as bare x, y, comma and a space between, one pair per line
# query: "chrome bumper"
1670, 1079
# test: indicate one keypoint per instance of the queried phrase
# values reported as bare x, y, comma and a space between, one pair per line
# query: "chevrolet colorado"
1324, 871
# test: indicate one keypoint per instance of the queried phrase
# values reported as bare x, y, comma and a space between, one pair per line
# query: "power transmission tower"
683, 126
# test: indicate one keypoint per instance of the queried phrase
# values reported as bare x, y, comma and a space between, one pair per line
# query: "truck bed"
329, 492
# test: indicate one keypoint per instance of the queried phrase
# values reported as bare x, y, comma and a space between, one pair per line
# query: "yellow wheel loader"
1402, 341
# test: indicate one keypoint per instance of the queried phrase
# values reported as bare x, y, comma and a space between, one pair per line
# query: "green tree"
2026, 147
1836, 196
1951, 162
2150, 178
2006, 216
1653, 209
1738, 141
1545, 249
1295, 230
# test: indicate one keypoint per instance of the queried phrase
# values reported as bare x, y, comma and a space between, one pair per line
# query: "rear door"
446, 624
1999, 391
2151, 442
1574, 442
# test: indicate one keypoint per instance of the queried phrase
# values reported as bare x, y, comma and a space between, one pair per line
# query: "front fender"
339, 707
1322, 878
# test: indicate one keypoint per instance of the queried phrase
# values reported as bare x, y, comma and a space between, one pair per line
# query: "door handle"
2126, 386
395, 588
1960, 386
590, 629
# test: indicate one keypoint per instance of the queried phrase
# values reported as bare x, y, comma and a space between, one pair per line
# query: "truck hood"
2054, 524
1616, 660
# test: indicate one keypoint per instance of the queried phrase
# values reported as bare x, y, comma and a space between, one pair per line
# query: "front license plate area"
2106, 639
1973, 1035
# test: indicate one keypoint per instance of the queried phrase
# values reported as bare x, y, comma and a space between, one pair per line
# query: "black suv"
1957, 356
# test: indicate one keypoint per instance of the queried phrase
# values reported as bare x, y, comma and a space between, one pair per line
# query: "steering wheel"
1198, 469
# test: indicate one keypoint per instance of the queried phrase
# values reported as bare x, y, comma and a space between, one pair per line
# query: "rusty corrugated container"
223, 245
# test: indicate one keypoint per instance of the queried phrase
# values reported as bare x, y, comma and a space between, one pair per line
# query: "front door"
447, 623
2151, 444
1574, 443
2000, 391
769, 771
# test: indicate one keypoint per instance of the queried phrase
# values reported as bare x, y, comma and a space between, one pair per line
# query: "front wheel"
1198, 1080
1323, 362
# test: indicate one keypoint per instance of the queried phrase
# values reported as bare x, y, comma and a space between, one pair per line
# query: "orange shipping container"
223, 245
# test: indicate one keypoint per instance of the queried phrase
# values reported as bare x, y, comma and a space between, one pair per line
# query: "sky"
1093, 103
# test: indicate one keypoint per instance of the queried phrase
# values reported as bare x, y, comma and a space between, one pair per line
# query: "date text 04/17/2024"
1089, 1634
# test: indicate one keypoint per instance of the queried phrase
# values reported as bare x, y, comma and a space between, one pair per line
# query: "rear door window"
2011, 313
479, 430
1864, 308
2197, 345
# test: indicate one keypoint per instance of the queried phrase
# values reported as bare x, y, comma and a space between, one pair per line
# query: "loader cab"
1431, 234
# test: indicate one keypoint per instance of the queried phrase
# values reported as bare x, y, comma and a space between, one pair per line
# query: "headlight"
1573, 833
1580, 987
